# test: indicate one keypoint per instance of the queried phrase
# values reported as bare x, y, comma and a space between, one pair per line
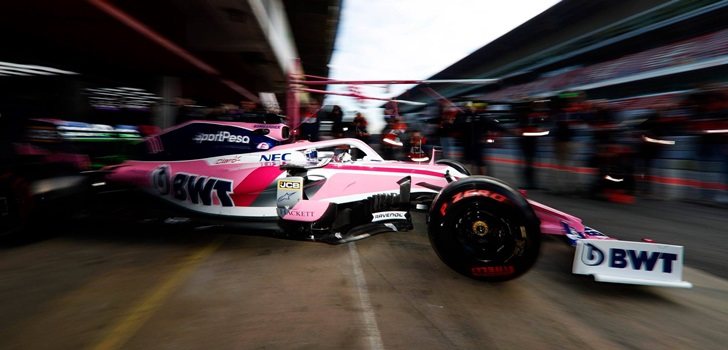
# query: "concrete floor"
96, 289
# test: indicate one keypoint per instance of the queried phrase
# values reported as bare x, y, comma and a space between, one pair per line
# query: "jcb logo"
289, 185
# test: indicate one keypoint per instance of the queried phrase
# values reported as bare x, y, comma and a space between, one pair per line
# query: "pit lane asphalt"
177, 289
181, 289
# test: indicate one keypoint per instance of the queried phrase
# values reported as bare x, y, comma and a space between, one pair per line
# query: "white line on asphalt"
370, 320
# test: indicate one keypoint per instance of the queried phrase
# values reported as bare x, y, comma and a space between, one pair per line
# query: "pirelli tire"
484, 229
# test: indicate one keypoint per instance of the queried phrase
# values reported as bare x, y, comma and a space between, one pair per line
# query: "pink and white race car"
338, 191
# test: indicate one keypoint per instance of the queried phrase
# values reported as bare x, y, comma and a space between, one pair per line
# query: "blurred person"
248, 106
431, 128
651, 132
562, 137
387, 148
360, 125
187, 110
612, 158
392, 135
709, 108
601, 139
219, 112
390, 110
531, 117
310, 125
474, 129
360, 131
336, 116
416, 142
446, 130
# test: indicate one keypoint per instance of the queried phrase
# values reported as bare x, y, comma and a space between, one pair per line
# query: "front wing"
611, 260
615, 261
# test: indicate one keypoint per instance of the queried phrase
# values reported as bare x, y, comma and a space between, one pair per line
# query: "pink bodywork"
275, 130
552, 220
345, 181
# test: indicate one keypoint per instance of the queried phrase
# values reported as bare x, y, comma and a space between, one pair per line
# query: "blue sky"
414, 39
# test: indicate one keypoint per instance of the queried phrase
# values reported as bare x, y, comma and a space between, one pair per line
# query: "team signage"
295, 212
221, 136
630, 262
389, 215
274, 157
290, 184
290, 191
267, 126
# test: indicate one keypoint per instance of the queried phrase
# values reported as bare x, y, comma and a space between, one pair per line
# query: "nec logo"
274, 157
628, 258
289, 185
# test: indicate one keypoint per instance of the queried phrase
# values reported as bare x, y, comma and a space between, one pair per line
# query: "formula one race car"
338, 191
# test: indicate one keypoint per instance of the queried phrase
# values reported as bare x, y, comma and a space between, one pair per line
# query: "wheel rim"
487, 237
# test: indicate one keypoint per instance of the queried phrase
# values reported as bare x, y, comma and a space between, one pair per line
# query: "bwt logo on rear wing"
630, 262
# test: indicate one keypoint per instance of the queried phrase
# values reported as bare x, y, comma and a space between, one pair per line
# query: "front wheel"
482, 228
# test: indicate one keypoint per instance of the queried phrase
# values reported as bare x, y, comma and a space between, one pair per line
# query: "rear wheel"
484, 229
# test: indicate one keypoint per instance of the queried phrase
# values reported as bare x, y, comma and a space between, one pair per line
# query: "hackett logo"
295, 212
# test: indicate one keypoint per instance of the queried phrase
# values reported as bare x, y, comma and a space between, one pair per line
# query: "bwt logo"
275, 157
628, 258
592, 255
198, 189
221, 136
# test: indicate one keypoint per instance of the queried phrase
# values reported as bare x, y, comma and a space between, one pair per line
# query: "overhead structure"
299, 83
610, 49
214, 50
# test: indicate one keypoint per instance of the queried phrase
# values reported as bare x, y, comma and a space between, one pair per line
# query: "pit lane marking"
123, 330
371, 329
